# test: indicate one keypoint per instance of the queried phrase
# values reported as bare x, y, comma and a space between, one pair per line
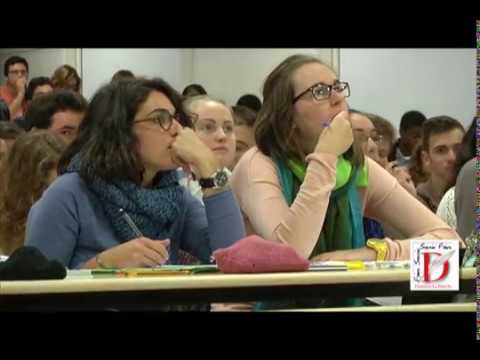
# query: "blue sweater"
68, 224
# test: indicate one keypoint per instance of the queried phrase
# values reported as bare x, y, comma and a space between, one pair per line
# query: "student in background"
213, 122
465, 188
66, 77
306, 186
244, 119
117, 202
123, 75
385, 136
410, 136
29, 168
60, 111
366, 133
447, 209
194, 90
442, 136
13, 92
251, 101
38, 86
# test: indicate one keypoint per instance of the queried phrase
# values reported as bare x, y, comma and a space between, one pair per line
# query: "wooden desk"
140, 293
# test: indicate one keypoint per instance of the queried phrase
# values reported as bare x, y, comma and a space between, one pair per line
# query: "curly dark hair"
106, 145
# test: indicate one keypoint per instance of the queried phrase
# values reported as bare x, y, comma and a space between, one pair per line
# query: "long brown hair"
276, 134
24, 175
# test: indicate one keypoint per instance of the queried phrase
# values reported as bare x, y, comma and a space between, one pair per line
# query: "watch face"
221, 178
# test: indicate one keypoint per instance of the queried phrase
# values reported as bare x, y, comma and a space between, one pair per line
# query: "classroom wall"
230, 73
98, 65
386, 81
390, 82
225, 73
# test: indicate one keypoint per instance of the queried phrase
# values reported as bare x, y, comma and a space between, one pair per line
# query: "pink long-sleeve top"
256, 185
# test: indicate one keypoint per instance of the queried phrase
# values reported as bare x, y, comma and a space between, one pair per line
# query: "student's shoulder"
69, 183
253, 160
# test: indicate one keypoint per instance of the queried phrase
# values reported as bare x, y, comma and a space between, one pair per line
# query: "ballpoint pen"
136, 230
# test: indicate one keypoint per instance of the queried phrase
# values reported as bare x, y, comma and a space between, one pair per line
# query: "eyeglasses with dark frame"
321, 91
162, 117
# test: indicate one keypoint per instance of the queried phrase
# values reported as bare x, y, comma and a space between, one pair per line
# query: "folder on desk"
163, 270
171, 270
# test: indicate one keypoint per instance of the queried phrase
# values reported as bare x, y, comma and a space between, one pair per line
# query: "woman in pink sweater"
308, 185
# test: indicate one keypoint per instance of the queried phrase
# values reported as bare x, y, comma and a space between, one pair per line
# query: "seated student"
60, 111
38, 86
306, 186
29, 168
368, 136
250, 101
442, 136
446, 207
212, 121
244, 119
122, 75
385, 136
12, 92
410, 136
194, 90
66, 77
117, 202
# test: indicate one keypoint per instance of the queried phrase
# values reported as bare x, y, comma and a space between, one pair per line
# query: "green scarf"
342, 227
343, 224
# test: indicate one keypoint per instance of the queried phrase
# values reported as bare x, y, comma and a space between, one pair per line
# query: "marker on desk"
135, 229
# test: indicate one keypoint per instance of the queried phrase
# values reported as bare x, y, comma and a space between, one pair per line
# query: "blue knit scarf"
153, 210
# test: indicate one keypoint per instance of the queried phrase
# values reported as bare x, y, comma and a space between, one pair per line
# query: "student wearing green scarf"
308, 184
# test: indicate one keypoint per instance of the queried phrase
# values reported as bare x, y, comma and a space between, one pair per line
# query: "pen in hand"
136, 230
130, 223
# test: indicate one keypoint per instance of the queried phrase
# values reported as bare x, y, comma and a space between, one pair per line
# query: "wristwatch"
380, 246
218, 180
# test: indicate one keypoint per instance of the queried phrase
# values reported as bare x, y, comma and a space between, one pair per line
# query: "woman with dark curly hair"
118, 202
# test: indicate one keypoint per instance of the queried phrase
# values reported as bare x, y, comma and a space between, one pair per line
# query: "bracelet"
380, 247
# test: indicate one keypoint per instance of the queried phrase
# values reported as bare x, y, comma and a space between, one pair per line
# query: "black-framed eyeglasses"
162, 117
322, 91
